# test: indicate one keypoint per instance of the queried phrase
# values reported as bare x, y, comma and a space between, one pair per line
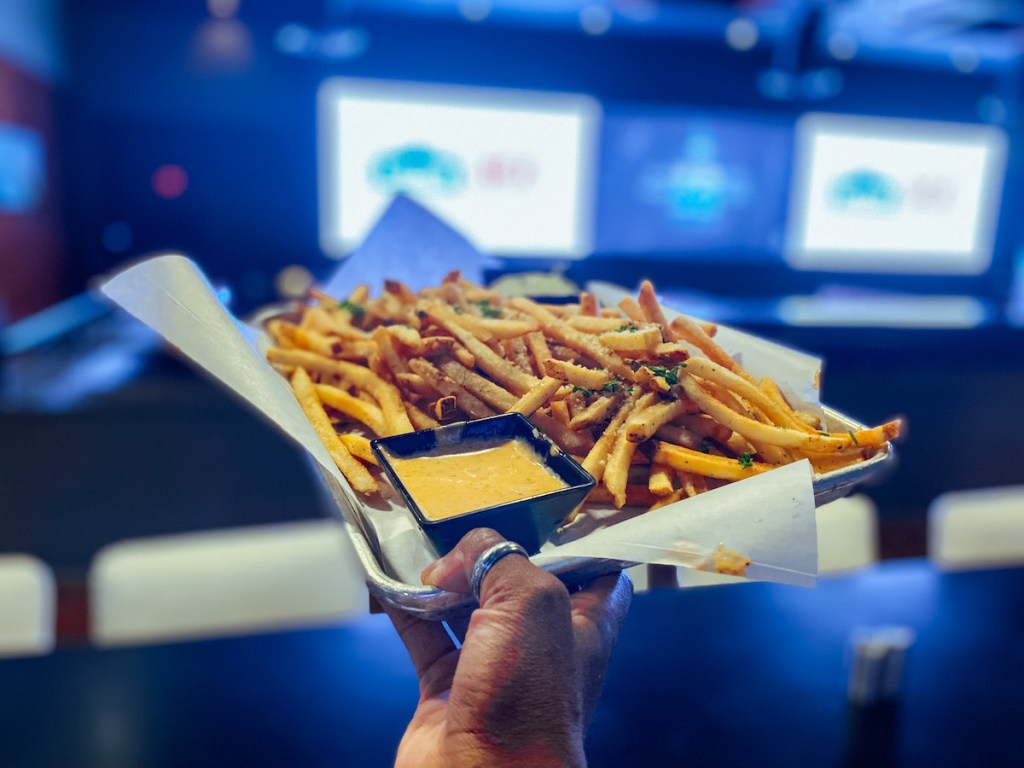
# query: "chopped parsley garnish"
486, 309
612, 385
626, 327
351, 306
583, 390
671, 375
746, 460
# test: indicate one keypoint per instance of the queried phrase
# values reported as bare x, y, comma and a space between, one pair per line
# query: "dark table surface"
748, 674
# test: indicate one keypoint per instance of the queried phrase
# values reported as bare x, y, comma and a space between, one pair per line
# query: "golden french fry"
596, 325
484, 357
685, 329
387, 395
649, 304
537, 396
593, 414
706, 464
632, 310
660, 480
360, 410
420, 418
637, 340
711, 371
401, 291
494, 395
786, 437
560, 411
642, 424
359, 446
468, 403
356, 474
386, 344
577, 375
616, 467
810, 421
577, 340
539, 350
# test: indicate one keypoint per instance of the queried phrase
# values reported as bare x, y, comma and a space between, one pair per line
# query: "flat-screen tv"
894, 196
680, 183
511, 170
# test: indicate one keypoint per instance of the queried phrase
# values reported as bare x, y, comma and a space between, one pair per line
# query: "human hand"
523, 687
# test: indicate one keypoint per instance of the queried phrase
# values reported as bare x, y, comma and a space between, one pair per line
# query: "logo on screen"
420, 171
863, 191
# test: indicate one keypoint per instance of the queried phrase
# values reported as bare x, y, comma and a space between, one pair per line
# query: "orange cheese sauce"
459, 480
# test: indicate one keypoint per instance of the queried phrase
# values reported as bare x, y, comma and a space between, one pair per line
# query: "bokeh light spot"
741, 34
293, 282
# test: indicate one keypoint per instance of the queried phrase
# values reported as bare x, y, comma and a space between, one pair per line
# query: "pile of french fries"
655, 410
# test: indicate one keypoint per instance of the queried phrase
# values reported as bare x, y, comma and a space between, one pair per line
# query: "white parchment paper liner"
769, 517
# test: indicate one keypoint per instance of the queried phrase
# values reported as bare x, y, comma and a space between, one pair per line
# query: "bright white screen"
881, 195
512, 171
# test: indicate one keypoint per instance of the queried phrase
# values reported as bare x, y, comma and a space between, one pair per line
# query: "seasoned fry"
489, 361
357, 475
537, 396
494, 395
589, 324
467, 402
659, 481
656, 410
577, 375
616, 467
360, 410
560, 411
569, 336
632, 339
643, 424
594, 413
359, 446
706, 464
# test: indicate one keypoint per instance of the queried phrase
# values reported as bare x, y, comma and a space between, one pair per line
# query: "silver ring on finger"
487, 560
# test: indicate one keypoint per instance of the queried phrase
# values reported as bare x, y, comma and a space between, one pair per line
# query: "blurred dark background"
843, 176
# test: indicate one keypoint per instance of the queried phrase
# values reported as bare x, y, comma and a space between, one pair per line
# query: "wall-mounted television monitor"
894, 196
511, 170
681, 183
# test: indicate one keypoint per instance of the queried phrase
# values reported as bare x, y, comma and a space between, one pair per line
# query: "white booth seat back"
225, 582
28, 606
977, 529
847, 534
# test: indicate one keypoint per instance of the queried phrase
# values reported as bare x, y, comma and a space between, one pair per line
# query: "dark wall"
161, 83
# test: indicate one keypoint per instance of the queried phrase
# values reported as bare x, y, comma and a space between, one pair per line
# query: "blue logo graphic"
865, 191
418, 171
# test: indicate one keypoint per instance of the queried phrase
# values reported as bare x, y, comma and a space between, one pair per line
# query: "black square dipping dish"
520, 452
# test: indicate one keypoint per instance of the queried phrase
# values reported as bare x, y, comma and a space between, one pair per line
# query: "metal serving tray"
431, 603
